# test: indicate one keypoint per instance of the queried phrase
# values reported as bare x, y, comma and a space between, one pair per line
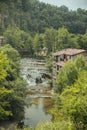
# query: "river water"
39, 95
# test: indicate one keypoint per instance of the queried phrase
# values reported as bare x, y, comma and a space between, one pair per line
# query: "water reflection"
37, 112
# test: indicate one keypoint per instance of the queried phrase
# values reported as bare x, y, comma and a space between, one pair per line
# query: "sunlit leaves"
12, 86
62, 125
69, 73
71, 101
4, 103
74, 99
3, 64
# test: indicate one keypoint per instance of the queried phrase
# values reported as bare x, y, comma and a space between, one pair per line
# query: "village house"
61, 57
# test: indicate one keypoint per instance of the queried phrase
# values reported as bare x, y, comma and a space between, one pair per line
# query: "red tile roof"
69, 51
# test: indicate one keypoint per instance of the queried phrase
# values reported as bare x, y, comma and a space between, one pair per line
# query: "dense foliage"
52, 40
12, 86
71, 95
34, 16
19, 39
69, 73
30, 25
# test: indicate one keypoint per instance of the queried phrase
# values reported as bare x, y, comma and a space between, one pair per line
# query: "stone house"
61, 57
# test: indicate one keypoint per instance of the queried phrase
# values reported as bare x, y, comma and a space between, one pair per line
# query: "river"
39, 95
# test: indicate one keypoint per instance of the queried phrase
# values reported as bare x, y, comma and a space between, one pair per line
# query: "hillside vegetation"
30, 25
34, 16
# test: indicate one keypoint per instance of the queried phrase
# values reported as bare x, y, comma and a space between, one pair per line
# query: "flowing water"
39, 95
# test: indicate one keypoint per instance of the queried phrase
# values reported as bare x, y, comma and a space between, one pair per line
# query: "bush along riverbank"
12, 85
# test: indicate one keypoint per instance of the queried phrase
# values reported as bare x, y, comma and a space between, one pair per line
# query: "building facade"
61, 57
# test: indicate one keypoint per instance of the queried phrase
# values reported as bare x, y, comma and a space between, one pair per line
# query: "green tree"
85, 41
50, 39
4, 93
66, 76
79, 39
13, 37
18, 39
70, 98
3, 64
27, 43
74, 101
5, 111
35, 43
69, 73
64, 38
54, 126
13, 69
12, 86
